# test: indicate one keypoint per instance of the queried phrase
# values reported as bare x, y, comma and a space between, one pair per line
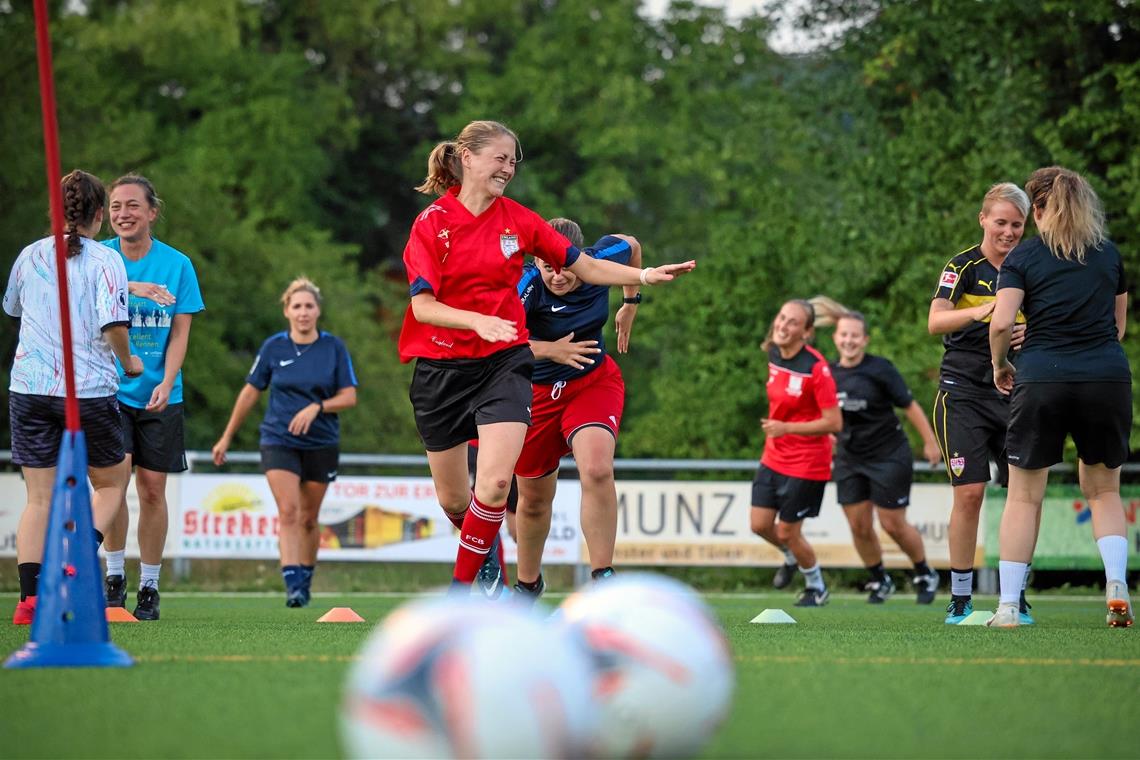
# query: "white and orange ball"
446, 677
664, 675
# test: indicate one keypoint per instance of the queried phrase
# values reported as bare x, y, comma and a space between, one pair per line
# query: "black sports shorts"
884, 482
313, 465
155, 440
793, 498
971, 431
1098, 415
38, 423
451, 398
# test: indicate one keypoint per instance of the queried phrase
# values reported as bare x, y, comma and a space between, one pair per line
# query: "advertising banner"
708, 523
362, 518
1066, 539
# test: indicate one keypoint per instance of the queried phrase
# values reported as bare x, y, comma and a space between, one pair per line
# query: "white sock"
1011, 576
789, 558
116, 562
1025, 580
149, 574
962, 584
813, 577
1114, 554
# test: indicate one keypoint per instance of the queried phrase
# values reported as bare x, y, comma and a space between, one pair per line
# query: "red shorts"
559, 411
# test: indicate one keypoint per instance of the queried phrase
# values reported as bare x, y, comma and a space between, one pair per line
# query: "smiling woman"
465, 326
311, 379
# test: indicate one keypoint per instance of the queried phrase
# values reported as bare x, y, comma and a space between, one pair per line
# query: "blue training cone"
70, 627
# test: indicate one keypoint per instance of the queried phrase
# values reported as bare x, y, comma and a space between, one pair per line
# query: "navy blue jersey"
296, 376
1071, 311
583, 311
868, 394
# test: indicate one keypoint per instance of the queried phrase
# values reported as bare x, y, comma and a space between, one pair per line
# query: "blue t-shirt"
1070, 313
150, 323
299, 375
583, 311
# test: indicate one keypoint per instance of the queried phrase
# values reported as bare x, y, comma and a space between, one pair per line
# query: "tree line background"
286, 137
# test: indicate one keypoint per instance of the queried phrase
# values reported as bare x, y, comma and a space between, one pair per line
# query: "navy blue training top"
868, 394
298, 375
583, 311
1070, 312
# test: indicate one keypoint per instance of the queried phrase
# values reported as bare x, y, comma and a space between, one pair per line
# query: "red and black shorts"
452, 398
559, 411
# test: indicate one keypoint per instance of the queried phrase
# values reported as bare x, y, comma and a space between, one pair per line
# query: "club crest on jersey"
795, 385
948, 279
957, 466
509, 245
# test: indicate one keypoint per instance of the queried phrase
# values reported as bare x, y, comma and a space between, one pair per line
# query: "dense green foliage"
286, 138
242, 676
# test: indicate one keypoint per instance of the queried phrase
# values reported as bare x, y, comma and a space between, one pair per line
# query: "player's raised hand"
666, 272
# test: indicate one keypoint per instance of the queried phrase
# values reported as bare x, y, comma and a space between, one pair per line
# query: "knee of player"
592, 473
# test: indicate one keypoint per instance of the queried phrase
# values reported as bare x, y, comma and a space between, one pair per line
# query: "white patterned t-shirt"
97, 290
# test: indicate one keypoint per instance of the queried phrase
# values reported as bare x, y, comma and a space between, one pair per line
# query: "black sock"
533, 585
921, 568
601, 572
29, 579
878, 574
98, 539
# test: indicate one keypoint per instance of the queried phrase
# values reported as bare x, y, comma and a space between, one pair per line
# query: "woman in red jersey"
803, 413
465, 325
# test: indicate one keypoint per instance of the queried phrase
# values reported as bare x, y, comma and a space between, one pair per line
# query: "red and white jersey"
473, 263
799, 389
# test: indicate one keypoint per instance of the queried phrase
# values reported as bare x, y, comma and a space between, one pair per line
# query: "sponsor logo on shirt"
286, 362
989, 285
948, 279
557, 308
508, 244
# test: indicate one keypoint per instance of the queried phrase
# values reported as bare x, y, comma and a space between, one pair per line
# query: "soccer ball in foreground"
663, 669
445, 677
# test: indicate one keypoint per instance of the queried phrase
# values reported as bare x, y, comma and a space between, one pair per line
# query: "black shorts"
512, 494
155, 440
38, 423
1098, 415
452, 398
971, 432
794, 498
884, 482
312, 465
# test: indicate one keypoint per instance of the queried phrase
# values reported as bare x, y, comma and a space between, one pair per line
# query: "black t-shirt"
1071, 309
969, 280
868, 394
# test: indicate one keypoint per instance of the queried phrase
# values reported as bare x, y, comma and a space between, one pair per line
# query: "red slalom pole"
55, 196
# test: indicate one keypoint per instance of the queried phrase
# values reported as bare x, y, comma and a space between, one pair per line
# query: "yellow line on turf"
245, 658
955, 661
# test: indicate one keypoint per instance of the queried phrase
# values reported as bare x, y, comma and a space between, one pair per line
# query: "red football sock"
456, 518
480, 527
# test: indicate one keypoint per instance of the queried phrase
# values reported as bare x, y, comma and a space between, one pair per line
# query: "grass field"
241, 676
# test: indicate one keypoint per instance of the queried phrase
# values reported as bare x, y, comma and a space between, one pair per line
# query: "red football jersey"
799, 389
473, 263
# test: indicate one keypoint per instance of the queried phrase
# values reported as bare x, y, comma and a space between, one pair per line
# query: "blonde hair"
1072, 218
297, 285
828, 312
445, 169
809, 323
1008, 192
570, 230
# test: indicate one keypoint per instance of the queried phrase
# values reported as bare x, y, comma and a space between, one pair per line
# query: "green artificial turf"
242, 676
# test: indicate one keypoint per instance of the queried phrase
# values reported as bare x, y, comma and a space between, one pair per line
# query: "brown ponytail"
83, 197
445, 168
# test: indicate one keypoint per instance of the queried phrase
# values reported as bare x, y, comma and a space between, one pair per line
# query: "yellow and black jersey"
968, 280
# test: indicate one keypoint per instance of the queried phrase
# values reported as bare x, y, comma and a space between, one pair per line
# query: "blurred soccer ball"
443, 677
663, 670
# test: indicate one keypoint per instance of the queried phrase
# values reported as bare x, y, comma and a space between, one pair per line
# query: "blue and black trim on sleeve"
611, 247
419, 286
